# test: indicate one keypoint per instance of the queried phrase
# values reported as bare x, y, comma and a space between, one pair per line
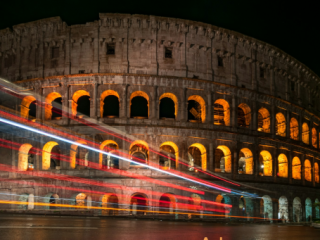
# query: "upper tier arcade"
138, 44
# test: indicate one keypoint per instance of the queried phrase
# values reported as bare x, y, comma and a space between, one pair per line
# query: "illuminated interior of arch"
139, 151
282, 166
314, 138
75, 98
316, 172
244, 115
140, 94
103, 96
263, 120
225, 161
294, 129
265, 160
81, 199
176, 153
110, 144
245, 161
73, 153
199, 114
110, 201
48, 107
296, 168
280, 125
25, 106
221, 113
24, 157
167, 203
307, 170
139, 201
174, 99
46, 154
195, 200
203, 152
305, 133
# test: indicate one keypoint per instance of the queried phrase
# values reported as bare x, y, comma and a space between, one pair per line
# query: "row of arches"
169, 159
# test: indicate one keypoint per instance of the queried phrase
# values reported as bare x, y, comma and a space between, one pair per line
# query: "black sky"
291, 26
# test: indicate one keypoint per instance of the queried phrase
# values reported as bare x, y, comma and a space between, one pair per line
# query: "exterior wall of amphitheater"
277, 94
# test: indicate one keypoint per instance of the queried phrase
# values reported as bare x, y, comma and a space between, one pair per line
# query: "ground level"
64, 228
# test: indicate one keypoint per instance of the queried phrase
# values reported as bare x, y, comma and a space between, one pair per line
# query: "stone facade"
256, 109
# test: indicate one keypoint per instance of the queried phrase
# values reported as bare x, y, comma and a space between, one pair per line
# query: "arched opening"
51, 156
78, 156
139, 105
317, 209
294, 129
221, 112
53, 107
280, 125
196, 109
316, 172
109, 104
167, 204
82, 200
26, 158
307, 170
297, 211
197, 155
308, 210
168, 106
265, 161
314, 138
28, 201
263, 120
282, 166
81, 103
283, 209
225, 200
267, 208
305, 133
139, 204
245, 161
222, 159
107, 161
245, 207
244, 115
29, 108
52, 199
195, 205
296, 168
169, 155
110, 203
139, 152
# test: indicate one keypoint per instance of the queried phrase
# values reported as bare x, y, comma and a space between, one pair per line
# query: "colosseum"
207, 102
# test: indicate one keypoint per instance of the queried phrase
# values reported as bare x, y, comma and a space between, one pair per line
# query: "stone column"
302, 169
290, 166
288, 125
93, 99
233, 113
209, 109
313, 179
154, 111
300, 127
254, 117
210, 159
275, 165
123, 102
273, 120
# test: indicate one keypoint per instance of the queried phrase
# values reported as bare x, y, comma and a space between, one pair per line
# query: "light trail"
110, 154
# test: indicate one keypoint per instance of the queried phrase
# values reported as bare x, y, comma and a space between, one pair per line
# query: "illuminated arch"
104, 95
73, 153
138, 203
296, 168
308, 204
221, 113
245, 161
314, 138
48, 107
176, 151
23, 156
244, 115
305, 133
141, 148
267, 207
46, 154
174, 99
263, 120
283, 208
282, 166
203, 152
202, 103
294, 129
102, 146
225, 161
307, 170
78, 94
139, 94
317, 210
167, 203
297, 210
25, 106
316, 172
81, 200
280, 124
265, 160
110, 202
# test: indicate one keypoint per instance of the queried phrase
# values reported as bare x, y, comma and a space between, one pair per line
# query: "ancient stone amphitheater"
207, 97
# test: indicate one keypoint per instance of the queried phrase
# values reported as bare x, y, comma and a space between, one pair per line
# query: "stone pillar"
123, 102
233, 112
93, 99
254, 117
290, 157
209, 109
275, 165
273, 120
288, 125
256, 154
155, 104
184, 106
313, 179
302, 169
210, 160
300, 127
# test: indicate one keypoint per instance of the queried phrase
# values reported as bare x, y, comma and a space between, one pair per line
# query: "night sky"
293, 26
